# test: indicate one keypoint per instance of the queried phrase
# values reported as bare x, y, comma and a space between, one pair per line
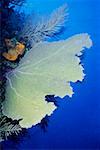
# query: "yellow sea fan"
47, 69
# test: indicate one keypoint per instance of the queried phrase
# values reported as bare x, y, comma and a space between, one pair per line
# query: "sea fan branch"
46, 27
10, 83
8, 127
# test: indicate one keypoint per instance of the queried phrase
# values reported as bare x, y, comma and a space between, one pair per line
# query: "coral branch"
10, 83
46, 27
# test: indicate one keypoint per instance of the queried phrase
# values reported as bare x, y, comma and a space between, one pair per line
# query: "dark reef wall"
10, 25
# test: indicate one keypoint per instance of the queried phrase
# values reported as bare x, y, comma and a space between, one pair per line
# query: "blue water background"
76, 123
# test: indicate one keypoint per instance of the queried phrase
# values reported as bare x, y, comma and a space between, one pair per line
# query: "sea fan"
46, 27
47, 69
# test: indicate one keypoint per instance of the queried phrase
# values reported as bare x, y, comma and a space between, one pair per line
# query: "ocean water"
76, 122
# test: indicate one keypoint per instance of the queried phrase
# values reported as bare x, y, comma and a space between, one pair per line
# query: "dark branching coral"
11, 20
